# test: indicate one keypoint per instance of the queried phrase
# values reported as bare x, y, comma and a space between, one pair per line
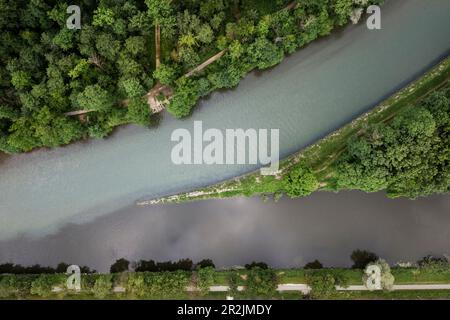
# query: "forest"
409, 156
101, 72
406, 156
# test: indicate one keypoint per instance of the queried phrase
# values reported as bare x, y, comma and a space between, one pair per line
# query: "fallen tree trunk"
78, 112
205, 64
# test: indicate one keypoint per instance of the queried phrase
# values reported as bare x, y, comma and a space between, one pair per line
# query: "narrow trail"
157, 46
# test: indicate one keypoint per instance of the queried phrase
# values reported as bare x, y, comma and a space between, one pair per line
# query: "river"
309, 95
324, 226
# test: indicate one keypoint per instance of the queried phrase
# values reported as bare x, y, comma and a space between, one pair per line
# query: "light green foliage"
323, 283
65, 39
236, 50
205, 34
261, 282
299, 181
166, 74
188, 40
162, 13
317, 26
79, 69
136, 284
103, 17
161, 285
159, 10
103, 286
132, 87
264, 26
20, 79
233, 283
7, 288
95, 98
44, 284
205, 279
343, 10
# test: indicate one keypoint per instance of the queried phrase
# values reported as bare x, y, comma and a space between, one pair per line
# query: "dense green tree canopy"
300, 181
48, 70
408, 157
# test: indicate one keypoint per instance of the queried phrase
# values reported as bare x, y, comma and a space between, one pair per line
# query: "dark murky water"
325, 226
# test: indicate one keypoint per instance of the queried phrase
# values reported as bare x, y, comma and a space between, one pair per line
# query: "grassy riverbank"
321, 156
256, 283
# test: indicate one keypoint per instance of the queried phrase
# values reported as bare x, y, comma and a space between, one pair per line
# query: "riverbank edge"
320, 155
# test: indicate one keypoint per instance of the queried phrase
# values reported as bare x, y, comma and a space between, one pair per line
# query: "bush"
264, 54
170, 285
323, 283
205, 263
22, 284
185, 98
136, 285
434, 264
166, 74
152, 266
145, 266
205, 279
313, 265
261, 265
62, 267
7, 288
361, 258
431, 260
261, 283
120, 265
102, 286
44, 284
139, 111
233, 283
88, 282
300, 181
